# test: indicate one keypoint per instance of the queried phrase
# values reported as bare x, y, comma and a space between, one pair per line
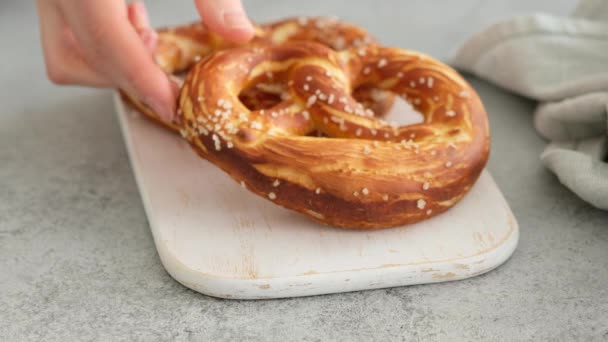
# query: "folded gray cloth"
563, 63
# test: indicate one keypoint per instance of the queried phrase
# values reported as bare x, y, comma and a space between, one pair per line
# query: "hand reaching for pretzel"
109, 44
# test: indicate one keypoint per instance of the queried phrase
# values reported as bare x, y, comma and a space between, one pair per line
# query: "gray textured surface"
77, 260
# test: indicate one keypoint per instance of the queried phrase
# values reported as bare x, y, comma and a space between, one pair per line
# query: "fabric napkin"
562, 62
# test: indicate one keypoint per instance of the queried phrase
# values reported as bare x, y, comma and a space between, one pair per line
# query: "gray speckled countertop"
77, 260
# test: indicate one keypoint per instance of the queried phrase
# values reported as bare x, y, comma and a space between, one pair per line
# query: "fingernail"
165, 112
237, 21
150, 38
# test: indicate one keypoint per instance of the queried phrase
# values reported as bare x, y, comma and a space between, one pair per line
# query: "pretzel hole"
317, 134
387, 105
262, 95
403, 113
377, 100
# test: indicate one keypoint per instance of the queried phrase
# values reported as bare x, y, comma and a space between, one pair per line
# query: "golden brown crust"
366, 173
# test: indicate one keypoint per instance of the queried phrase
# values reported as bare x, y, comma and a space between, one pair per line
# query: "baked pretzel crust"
364, 173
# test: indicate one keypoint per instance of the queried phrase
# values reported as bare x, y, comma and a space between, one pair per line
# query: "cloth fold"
562, 62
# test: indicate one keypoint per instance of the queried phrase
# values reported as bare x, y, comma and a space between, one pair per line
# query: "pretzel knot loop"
361, 172
180, 48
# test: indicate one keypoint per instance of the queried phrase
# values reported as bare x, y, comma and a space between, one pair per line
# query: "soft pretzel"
364, 172
180, 47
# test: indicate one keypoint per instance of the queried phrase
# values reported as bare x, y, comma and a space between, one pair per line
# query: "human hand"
109, 44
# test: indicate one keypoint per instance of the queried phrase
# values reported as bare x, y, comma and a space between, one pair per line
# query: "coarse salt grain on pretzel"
182, 46
365, 173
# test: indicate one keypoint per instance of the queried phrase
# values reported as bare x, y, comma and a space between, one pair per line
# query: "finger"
138, 16
111, 43
64, 63
227, 18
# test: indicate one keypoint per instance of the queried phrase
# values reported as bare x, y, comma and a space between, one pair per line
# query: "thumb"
227, 18
138, 17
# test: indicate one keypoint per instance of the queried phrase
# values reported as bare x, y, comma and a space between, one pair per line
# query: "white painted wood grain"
217, 238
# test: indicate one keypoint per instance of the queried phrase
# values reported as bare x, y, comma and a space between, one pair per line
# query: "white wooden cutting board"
217, 238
